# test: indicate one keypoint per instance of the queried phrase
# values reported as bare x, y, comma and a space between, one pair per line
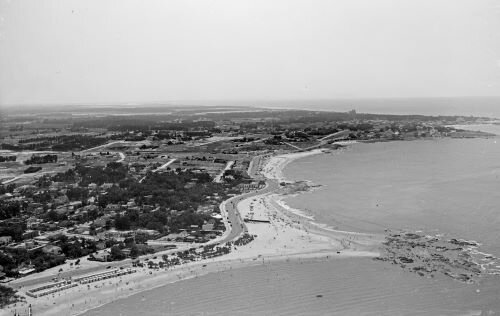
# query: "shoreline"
289, 234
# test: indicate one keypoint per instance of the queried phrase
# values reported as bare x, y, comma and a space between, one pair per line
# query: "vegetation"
32, 169
113, 172
7, 158
9, 209
57, 143
7, 188
41, 159
8, 296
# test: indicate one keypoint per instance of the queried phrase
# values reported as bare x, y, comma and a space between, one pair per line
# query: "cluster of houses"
37, 232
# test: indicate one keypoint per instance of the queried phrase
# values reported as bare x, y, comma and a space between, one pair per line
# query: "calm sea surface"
357, 286
444, 186
476, 106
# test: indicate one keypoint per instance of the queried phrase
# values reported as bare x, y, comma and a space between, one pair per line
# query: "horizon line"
199, 102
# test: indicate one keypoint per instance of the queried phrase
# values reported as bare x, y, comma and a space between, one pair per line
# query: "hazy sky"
102, 51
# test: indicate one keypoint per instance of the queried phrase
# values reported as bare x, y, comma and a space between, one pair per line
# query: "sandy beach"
288, 235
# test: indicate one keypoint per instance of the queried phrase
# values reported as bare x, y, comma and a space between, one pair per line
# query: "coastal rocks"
427, 255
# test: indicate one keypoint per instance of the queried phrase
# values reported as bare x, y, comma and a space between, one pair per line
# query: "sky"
124, 51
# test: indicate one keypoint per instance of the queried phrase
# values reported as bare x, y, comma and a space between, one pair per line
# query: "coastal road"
233, 216
230, 206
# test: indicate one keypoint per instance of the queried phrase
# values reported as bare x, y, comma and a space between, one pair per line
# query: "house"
107, 186
126, 252
131, 203
112, 207
207, 227
26, 270
83, 230
177, 237
75, 204
5, 240
89, 208
147, 232
101, 221
62, 210
30, 234
52, 249
102, 256
32, 222
61, 200
41, 239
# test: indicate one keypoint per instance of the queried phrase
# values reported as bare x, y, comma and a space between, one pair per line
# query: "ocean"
461, 106
475, 106
355, 286
443, 186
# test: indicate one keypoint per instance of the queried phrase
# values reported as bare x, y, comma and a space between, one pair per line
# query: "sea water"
440, 186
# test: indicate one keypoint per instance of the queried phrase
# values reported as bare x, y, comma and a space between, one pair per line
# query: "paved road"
165, 165
235, 220
122, 157
104, 146
229, 165
160, 168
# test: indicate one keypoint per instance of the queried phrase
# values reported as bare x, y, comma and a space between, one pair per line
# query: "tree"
134, 251
7, 296
116, 253
53, 216
122, 222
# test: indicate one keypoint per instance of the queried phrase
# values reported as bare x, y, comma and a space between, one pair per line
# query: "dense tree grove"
32, 169
14, 230
7, 188
57, 143
68, 176
41, 159
14, 258
7, 296
8, 210
7, 158
74, 247
113, 172
168, 189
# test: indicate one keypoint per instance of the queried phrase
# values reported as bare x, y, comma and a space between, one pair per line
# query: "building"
102, 256
207, 227
30, 234
51, 249
5, 240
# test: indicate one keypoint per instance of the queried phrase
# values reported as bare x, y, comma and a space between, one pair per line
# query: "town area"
97, 191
